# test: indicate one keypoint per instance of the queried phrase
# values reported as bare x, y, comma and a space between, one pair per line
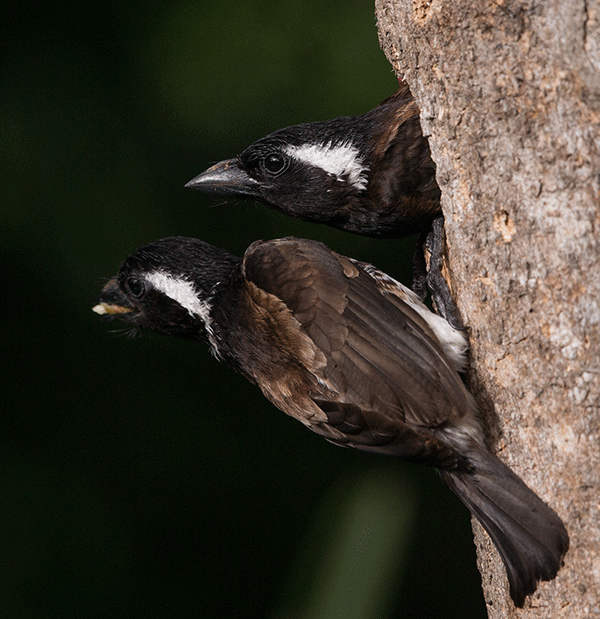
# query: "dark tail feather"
530, 537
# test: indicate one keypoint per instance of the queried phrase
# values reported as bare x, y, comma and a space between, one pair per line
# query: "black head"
307, 171
168, 287
371, 174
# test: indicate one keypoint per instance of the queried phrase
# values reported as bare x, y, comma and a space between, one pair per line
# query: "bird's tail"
531, 538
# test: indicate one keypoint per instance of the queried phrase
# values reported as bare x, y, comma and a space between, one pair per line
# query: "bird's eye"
274, 164
136, 287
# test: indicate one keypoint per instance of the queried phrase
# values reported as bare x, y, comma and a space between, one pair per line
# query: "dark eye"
274, 164
136, 287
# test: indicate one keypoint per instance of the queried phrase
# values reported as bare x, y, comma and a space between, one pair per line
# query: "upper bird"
353, 355
370, 174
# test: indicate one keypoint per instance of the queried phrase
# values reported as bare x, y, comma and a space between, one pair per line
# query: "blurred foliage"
140, 478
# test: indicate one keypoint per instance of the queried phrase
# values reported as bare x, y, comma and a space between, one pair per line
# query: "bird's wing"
381, 356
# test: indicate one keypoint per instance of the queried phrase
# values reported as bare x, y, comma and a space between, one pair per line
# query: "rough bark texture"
510, 98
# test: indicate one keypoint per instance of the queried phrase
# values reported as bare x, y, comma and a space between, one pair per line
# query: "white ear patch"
183, 292
179, 290
340, 160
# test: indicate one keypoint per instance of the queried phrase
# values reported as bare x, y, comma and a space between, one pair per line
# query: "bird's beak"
226, 178
112, 300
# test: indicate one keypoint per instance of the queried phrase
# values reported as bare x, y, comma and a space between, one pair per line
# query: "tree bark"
510, 99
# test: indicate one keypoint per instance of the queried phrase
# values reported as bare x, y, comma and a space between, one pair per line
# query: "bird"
353, 355
372, 174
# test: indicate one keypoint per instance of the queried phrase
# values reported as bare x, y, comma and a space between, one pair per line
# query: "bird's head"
168, 287
309, 171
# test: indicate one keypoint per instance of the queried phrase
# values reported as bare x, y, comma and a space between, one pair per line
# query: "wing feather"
382, 357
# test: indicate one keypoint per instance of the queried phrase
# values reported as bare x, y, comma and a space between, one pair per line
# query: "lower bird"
352, 354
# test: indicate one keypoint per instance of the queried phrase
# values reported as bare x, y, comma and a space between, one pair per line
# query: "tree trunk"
510, 100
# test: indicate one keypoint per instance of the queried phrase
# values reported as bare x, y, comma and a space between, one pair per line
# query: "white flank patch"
453, 341
183, 292
460, 430
341, 160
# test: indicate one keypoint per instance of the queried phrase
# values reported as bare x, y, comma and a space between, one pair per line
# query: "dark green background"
140, 478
